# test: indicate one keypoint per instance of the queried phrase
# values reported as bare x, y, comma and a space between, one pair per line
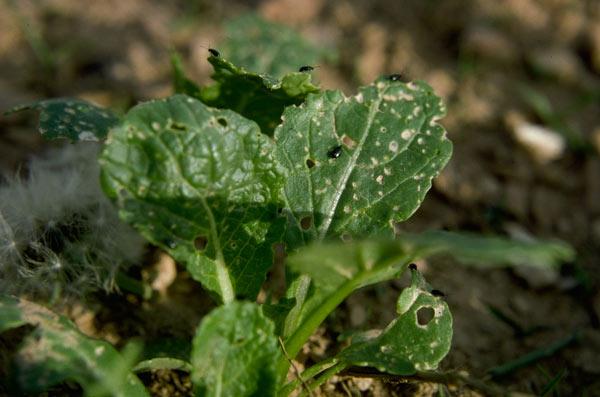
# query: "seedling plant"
227, 177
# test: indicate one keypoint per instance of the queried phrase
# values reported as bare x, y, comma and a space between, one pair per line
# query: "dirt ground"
486, 58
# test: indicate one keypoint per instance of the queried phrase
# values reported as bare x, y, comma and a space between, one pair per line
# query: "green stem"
133, 285
306, 375
324, 377
296, 340
312, 322
162, 363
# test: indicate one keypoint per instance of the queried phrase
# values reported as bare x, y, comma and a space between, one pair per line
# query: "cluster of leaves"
219, 176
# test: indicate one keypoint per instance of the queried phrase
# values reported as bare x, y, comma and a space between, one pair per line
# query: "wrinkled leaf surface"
235, 352
202, 184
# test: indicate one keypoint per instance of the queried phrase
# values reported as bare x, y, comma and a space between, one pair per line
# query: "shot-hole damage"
200, 243
179, 126
424, 315
306, 222
222, 121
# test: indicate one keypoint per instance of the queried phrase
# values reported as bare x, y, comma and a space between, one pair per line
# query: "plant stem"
312, 322
297, 339
162, 363
324, 377
307, 374
296, 370
133, 285
445, 378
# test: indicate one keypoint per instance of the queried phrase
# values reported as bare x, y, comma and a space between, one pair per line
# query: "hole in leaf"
306, 222
310, 163
179, 126
222, 121
425, 315
200, 243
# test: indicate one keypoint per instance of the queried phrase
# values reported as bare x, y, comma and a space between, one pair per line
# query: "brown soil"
477, 54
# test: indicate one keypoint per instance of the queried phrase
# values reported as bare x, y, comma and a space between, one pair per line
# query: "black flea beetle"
395, 77
335, 152
412, 266
306, 68
214, 52
437, 292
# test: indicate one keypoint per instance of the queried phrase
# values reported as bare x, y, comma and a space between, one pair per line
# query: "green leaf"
358, 164
234, 353
259, 45
56, 351
259, 97
162, 363
71, 118
410, 343
332, 272
487, 251
202, 184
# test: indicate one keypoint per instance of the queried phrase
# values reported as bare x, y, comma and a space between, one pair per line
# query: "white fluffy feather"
59, 234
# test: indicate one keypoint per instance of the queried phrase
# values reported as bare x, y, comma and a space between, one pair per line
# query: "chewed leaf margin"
259, 97
410, 343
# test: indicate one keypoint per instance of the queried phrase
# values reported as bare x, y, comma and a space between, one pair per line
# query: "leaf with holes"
56, 351
259, 97
358, 164
234, 353
256, 44
416, 341
331, 272
202, 184
71, 118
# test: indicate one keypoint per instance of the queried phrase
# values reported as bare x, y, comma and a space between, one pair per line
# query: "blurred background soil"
504, 68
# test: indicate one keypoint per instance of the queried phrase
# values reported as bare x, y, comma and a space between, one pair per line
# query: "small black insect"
306, 68
395, 77
214, 52
437, 292
335, 152
412, 266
